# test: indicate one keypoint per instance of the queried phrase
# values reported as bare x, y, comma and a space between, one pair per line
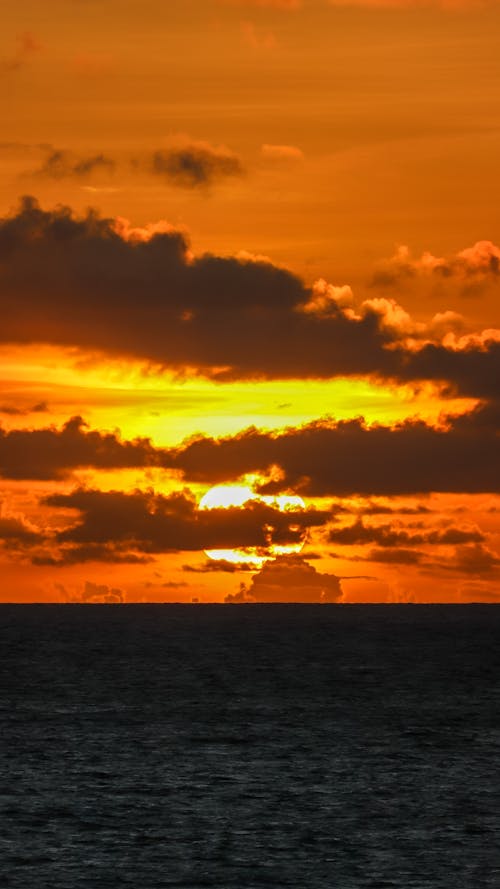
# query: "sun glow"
226, 496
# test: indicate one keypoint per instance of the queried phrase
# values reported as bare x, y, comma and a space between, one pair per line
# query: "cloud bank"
141, 293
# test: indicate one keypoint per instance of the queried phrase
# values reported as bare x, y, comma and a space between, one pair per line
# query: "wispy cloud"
27, 46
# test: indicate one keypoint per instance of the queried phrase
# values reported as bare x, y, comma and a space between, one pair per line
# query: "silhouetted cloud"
152, 523
67, 165
323, 458
11, 410
195, 165
63, 556
54, 453
289, 579
396, 556
95, 594
15, 531
210, 566
140, 292
348, 457
477, 559
389, 536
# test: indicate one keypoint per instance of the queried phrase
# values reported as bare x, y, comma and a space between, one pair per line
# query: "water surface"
240, 747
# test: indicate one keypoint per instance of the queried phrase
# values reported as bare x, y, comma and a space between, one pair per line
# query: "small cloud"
281, 153
477, 559
258, 38
92, 64
195, 164
16, 531
472, 268
62, 164
478, 591
211, 565
27, 45
95, 594
11, 410
289, 579
265, 4
398, 556
447, 5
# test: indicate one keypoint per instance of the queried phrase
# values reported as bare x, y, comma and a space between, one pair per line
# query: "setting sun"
226, 496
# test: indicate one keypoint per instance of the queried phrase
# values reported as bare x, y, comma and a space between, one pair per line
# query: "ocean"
240, 747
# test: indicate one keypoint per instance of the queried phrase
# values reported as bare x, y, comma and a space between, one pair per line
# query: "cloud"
265, 4
61, 164
397, 556
54, 453
478, 591
195, 164
258, 38
89, 64
476, 559
374, 508
289, 579
281, 153
15, 531
389, 536
323, 458
95, 594
142, 293
89, 552
328, 458
472, 268
447, 5
151, 523
213, 565
12, 411
27, 46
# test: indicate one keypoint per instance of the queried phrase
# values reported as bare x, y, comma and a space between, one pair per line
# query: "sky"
249, 289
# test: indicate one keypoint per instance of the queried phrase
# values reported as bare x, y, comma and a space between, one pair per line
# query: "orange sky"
289, 279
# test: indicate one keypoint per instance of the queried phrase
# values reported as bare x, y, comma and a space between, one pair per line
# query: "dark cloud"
389, 536
348, 457
479, 591
13, 411
195, 165
88, 552
95, 594
399, 556
385, 509
54, 453
324, 458
289, 579
139, 292
152, 523
15, 531
61, 164
214, 565
477, 559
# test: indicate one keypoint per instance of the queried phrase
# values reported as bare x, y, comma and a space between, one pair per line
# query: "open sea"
240, 747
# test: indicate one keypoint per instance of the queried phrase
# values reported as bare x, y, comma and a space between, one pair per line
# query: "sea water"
318, 747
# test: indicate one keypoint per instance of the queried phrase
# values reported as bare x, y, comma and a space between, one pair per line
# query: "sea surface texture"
317, 747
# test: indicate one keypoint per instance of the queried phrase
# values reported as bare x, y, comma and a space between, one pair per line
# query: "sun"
225, 496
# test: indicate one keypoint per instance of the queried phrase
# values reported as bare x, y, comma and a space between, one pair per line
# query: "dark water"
318, 747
